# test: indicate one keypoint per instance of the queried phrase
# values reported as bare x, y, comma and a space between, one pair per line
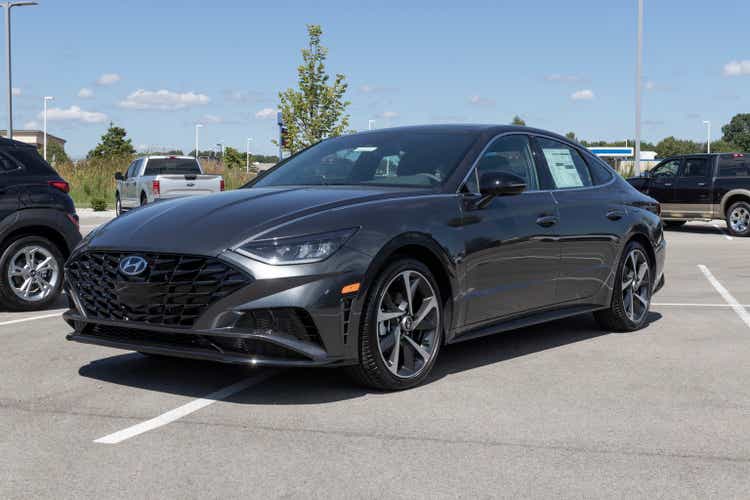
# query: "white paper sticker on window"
563, 168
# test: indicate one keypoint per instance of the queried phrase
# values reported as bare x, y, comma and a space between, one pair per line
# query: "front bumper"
223, 332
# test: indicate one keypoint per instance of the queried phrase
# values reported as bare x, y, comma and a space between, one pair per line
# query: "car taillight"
74, 219
738, 155
155, 187
61, 185
221, 185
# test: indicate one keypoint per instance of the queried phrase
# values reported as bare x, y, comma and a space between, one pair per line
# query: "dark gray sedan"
371, 251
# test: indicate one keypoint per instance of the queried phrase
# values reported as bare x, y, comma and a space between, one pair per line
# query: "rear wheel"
672, 224
738, 219
402, 330
144, 199
631, 298
32, 269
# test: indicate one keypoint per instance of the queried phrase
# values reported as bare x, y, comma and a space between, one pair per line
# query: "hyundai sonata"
372, 251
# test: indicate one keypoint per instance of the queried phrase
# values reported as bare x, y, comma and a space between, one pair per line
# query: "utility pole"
8, 6
197, 126
638, 87
708, 136
247, 160
44, 119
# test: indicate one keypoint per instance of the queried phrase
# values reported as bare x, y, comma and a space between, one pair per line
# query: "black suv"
701, 187
38, 228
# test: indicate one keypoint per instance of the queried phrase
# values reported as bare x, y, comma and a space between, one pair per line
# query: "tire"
118, 205
738, 219
387, 296
626, 312
17, 256
674, 224
144, 199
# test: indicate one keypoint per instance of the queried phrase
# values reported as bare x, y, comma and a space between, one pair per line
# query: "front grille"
173, 291
195, 342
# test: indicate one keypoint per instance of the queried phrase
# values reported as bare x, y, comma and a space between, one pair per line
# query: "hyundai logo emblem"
133, 265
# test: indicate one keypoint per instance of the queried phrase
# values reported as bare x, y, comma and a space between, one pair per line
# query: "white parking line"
32, 318
187, 409
723, 231
685, 304
736, 306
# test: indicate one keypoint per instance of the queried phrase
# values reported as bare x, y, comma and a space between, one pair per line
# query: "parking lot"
559, 410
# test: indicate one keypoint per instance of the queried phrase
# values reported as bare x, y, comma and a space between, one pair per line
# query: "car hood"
208, 225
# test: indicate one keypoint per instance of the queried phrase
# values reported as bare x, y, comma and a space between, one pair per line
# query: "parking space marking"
33, 318
685, 304
728, 297
187, 409
723, 231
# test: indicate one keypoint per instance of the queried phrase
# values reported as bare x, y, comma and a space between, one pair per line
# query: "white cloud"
74, 114
481, 101
31, 125
557, 77
108, 79
265, 113
164, 100
737, 68
582, 95
212, 119
16, 91
85, 93
388, 115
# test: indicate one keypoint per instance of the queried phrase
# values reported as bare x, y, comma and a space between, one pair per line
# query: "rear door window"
172, 166
696, 167
565, 164
734, 166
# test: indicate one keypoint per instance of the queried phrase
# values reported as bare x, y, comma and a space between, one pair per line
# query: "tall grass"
95, 179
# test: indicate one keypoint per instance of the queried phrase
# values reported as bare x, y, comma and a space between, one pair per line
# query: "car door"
12, 175
592, 217
511, 254
692, 188
661, 185
128, 185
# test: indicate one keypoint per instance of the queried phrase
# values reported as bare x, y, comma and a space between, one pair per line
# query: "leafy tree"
316, 110
517, 120
737, 131
113, 143
671, 146
571, 136
722, 146
233, 158
55, 153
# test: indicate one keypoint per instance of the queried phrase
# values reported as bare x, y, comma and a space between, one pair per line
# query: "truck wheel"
674, 224
738, 219
144, 200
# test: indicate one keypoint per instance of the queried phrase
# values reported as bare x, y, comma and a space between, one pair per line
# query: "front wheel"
402, 330
32, 270
738, 219
631, 298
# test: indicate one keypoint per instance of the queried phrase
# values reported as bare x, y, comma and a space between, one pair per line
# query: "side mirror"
494, 184
118, 176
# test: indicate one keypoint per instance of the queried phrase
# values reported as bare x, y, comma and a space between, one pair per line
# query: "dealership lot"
559, 410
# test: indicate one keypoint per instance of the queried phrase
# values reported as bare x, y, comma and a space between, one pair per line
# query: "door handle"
701, 184
667, 184
615, 214
547, 220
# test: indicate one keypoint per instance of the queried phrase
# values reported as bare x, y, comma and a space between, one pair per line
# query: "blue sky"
157, 67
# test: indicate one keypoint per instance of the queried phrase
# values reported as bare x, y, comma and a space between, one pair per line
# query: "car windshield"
394, 158
166, 166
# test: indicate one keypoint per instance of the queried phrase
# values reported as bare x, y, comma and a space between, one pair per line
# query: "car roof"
9, 143
159, 157
467, 128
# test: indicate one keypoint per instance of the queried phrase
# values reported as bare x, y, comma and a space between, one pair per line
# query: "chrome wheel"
636, 286
739, 219
33, 273
407, 324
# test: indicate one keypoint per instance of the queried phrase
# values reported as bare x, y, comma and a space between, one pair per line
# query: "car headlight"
298, 249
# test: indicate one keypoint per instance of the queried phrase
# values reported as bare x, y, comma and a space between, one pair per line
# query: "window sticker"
563, 168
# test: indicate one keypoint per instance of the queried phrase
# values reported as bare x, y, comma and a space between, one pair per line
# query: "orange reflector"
354, 287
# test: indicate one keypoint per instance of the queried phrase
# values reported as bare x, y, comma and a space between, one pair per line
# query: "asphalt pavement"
562, 410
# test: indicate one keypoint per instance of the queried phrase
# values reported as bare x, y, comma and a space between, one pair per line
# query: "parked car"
152, 178
372, 251
701, 187
38, 228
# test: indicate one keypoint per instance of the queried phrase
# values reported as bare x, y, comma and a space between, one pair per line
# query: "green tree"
517, 120
56, 154
722, 146
316, 110
671, 146
571, 136
737, 131
233, 158
114, 143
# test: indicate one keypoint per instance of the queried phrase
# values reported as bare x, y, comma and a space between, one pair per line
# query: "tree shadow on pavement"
301, 386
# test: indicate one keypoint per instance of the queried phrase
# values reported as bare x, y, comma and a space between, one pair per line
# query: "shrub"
99, 204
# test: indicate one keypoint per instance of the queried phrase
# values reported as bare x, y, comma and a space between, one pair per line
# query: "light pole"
638, 86
707, 123
197, 126
247, 160
370, 124
7, 6
46, 99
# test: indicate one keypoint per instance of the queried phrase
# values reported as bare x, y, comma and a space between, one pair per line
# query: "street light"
46, 99
7, 6
197, 126
247, 160
638, 85
370, 124
707, 123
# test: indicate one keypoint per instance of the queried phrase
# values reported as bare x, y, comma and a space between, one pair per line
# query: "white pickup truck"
153, 178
